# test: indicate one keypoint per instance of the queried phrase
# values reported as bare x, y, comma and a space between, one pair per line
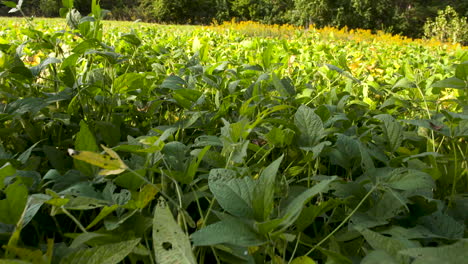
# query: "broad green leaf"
27, 105
85, 141
262, 202
10, 4
170, 243
310, 126
404, 83
128, 82
173, 82
5, 171
105, 211
67, 3
452, 82
334, 257
390, 245
443, 225
27, 255
389, 205
393, 131
86, 44
14, 203
35, 201
379, 256
229, 230
131, 38
195, 163
85, 238
283, 86
294, 208
23, 158
310, 213
36, 70
232, 193
146, 194
461, 130
455, 253
108, 253
461, 71
406, 179
13, 261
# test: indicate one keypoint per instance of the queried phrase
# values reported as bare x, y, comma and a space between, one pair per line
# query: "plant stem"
344, 221
455, 173
80, 226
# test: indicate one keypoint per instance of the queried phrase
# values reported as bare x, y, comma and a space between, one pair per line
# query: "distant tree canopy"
405, 17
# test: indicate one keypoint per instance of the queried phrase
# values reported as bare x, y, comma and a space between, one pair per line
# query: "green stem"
295, 248
80, 226
455, 172
343, 222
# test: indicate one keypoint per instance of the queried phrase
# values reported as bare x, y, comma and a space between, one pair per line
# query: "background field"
233, 143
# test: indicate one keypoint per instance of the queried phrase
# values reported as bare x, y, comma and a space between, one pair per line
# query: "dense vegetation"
237, 143
406, 17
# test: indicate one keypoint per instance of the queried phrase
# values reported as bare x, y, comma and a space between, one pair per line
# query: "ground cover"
237, 143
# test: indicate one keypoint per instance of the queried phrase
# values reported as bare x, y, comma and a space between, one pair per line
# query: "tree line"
406, 17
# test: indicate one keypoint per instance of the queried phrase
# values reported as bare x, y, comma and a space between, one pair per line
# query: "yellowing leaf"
303, 260
110, 161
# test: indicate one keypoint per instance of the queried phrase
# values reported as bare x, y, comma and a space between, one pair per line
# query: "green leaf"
36, 70
294, 208
407, 179
108, 253
105, 211
232, 193
27, 255
170, 243
6, 171
27, 105
173, 82
23, 158
283, 86
85, 141
10, 4
310, 126
12, 207
390, 245
131, 38
146, 194
67, 3
230, 230
452, 82
35, 202
262, 202
310, 213
195, 163
393, 131
443, 225
404, 83
13, 261
378, 256
455, 253
461, 71
461, 130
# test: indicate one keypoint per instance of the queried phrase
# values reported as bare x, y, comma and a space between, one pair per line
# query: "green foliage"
49, 8
448, 26
138, 143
